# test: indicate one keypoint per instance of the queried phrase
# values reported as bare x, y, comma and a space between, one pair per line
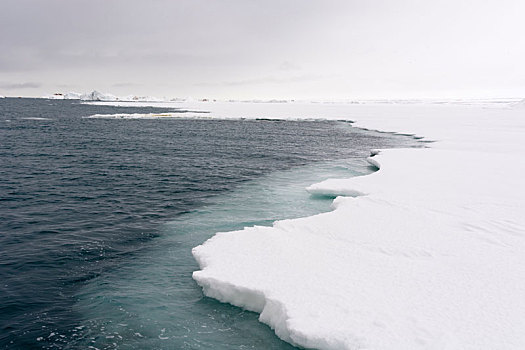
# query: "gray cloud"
264, 80
118, 85
17, 86
246, 48
289, 66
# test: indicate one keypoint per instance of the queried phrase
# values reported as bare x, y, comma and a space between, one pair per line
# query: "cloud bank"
272, 49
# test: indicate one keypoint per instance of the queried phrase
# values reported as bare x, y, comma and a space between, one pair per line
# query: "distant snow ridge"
103, 97
140, 98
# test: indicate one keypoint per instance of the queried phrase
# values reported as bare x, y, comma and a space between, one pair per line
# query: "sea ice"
426, 253
429, 255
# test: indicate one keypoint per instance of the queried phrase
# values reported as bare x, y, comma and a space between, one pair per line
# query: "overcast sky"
265, 48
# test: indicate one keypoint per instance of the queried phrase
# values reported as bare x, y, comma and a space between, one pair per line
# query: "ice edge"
271, 311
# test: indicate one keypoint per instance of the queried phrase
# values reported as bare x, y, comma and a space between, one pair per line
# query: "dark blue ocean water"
98, 218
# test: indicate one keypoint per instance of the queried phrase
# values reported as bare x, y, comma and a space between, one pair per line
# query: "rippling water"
98, 218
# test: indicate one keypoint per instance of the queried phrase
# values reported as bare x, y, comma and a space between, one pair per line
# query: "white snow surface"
426, 253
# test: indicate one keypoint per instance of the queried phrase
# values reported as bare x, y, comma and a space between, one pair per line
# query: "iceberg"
72, 96
426, 253
97, 96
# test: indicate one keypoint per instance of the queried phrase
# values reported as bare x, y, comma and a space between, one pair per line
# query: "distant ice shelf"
99, 96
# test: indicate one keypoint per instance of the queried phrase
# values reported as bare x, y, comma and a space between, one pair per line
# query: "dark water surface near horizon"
88, 207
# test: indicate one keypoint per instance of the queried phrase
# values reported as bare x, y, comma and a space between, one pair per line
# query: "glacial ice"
72, 96
97, 96
101, 97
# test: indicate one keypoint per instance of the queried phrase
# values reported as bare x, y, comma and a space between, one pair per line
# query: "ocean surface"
98, 218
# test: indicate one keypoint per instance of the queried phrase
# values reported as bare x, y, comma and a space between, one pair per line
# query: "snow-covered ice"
429, 255
141, 98
72, 96
133, 116
101, 97
426, 253
35, 118
66, 96
97, 96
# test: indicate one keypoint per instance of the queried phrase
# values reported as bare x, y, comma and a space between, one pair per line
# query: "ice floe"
426, 253
35, 118
134, 116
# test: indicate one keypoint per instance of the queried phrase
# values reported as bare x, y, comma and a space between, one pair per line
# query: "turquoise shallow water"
154, 303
